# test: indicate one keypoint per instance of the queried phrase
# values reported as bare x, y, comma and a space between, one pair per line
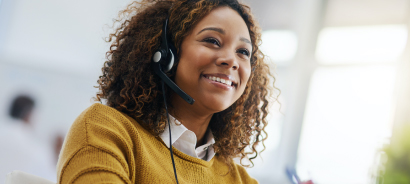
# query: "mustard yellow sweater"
107, 146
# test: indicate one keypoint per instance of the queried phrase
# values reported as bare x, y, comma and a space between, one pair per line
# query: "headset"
163, 61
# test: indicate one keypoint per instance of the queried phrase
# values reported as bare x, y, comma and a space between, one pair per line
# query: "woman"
217, 63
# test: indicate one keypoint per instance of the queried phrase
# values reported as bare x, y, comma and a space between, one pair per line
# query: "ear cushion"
168, 67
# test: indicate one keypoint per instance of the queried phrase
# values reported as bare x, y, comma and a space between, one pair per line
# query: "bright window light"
347, 45
348, 117
279, 45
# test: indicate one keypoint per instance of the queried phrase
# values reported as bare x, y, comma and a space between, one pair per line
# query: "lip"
218, 84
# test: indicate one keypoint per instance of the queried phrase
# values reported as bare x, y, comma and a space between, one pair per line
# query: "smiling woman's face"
214, 65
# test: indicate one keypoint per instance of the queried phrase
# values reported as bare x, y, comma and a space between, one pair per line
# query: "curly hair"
129, 85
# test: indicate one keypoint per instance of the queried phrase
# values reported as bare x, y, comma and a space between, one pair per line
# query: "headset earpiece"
166, 63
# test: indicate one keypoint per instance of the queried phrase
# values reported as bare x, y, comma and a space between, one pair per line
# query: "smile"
221, 80
217, 79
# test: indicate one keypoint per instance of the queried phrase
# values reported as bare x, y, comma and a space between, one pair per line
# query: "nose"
227, 59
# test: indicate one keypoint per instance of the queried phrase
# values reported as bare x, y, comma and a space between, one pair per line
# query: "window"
279, 45
350, 107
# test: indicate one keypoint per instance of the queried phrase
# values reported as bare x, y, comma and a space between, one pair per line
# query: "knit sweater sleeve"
97, 149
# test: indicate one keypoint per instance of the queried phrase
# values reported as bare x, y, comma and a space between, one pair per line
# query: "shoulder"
96, 118
103, 128
102, 112
102, 122
104, 118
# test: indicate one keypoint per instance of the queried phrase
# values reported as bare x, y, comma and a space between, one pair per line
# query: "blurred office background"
342, 66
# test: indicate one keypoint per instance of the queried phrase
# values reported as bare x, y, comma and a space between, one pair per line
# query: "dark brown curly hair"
129, 85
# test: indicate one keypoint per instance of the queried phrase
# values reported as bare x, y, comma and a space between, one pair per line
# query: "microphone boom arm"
171, 84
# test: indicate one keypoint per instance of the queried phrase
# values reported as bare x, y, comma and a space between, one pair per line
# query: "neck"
191, 119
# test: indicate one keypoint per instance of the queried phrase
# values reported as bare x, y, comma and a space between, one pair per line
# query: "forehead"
225, 18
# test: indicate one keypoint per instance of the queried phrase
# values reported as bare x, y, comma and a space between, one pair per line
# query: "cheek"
246, 73
189, 67
245, 76
195, 59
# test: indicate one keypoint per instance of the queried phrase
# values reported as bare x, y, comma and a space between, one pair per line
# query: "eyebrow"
245, 40
219, 30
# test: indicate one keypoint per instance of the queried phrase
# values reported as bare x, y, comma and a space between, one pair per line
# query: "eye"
213, 41
243, 52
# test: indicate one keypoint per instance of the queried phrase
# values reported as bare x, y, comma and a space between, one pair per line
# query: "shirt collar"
181, 135
177, 129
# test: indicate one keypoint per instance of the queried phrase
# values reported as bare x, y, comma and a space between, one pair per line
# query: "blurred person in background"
20, 147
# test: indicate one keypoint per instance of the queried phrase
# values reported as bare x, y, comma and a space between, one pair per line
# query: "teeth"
227, 82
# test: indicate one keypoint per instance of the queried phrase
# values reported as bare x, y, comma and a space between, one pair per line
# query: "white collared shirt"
185, 140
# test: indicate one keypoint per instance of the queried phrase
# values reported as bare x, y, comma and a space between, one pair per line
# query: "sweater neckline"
186, 157
178, 153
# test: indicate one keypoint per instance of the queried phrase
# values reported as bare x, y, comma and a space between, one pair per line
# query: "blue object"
293, 176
